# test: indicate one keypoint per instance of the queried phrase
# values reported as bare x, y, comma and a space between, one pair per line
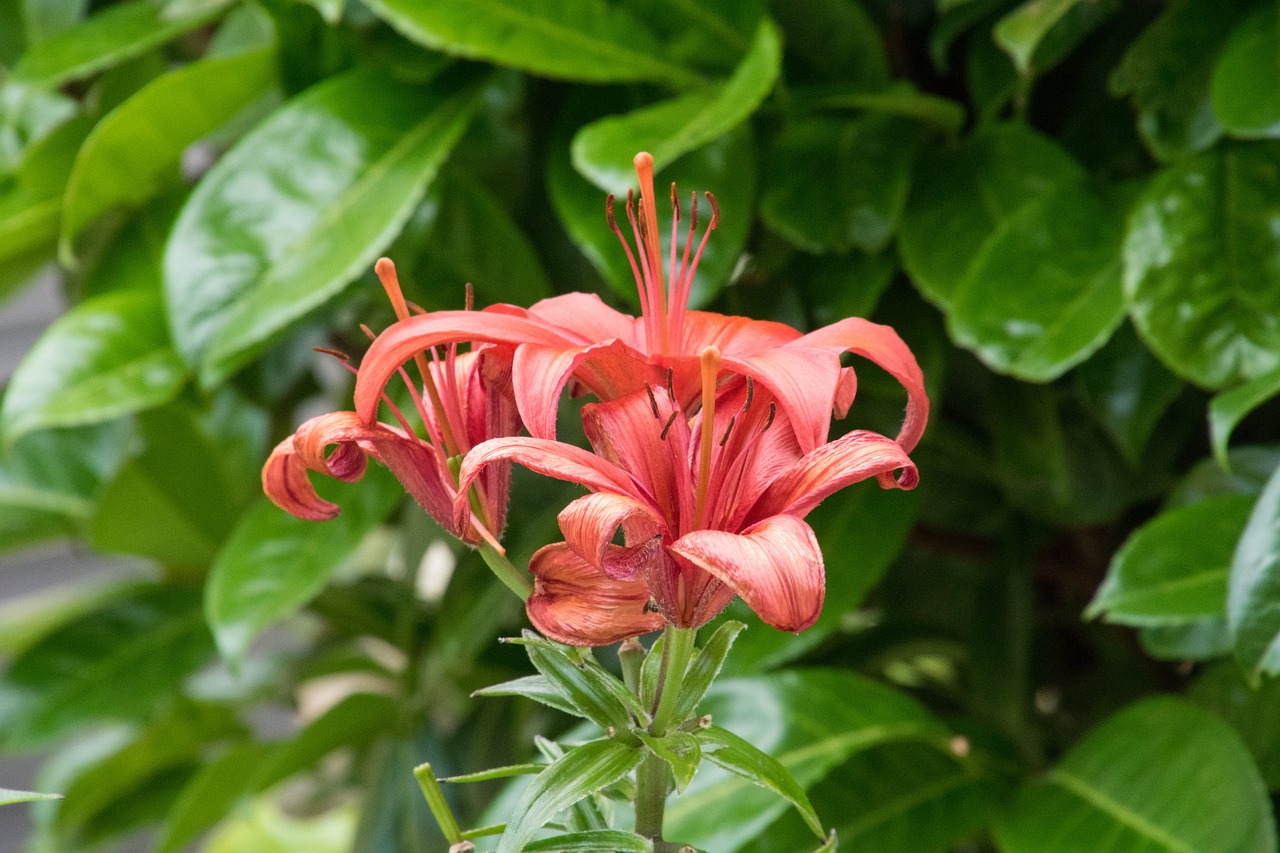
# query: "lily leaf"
535, 687
741, 758
705, 667
597, 694
680, 750
592, 841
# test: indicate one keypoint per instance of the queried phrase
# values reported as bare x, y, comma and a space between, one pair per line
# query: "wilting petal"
775, 566
803, 379
590, 522
575, 603
285, 482
608, 370
546, 457
584, 318
843, 462
401, 340
882, 345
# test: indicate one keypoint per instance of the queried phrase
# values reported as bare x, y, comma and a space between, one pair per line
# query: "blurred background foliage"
1068, 208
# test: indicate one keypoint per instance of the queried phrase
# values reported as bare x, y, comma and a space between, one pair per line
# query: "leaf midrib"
1113, 808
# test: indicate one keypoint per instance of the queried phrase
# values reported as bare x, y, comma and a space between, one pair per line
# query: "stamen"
368, 332
667, 426
646, 281
657, 294
470, 303
773, 410
728, 430
653, 401
751, 393
631, 258
710, 358
336, 353
671, 392
685, 285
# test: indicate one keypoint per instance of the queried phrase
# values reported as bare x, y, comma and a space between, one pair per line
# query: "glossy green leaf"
8, 796
587, 40
31, 203
705, 667
1173, 569
1230, 407
1044, 292
116, 663
1253, 712
1128, 390
833, 41
210, 795
1166, 73
1202, 265
810, 721
597, 694
1246, 79
1206, 639
725, 167
845, 182
107, 357
1252, 618
134, 258
582, 771
592, 841
27, 114
681, 751
962, 193
899, 99
304, 203
135, 151
355, 721
1161, 775
112, 36
535, 687
896, 798
741, 758
603, 150
272, 563
461, 234
1020, 32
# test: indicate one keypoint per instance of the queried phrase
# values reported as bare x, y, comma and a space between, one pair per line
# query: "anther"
653, 401
667, 427
470, 297
751, 393
368, 332
608, 213
693, 212
671, 385
715, 212
415, 308
336, 353
728, 430
675, 204
773, 410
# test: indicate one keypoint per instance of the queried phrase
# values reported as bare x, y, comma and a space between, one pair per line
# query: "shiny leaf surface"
1230, 407
1246, 79
1254, 586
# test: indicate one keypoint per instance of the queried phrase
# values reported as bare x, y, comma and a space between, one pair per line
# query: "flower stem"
677, 648
651, 796
512, 577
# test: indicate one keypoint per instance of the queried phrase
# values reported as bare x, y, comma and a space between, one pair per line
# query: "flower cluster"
709, 439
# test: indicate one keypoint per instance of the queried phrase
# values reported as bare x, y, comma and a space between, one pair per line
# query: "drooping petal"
285, 482
541, 372
492, 413
584, 319
575, 603
546, 457
882, 345
589, 524
775, 566
401, 340
802, 379
829, 468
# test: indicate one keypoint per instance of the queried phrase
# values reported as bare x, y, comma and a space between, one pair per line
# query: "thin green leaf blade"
705, 667
8, 797
680, 750
535, 687
740, 757
592, 841
597, 694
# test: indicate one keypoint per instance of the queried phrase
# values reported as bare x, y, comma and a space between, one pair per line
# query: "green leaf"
833, 41
587, 40
535, 687
210, 795
1167, 70
1253, 712
726, 167
742, 759
460, 233
1127, 390
136, 150
592, 841
357, 720
304, 203
1020, 32
1161, 775
603, 150
1202, 265
108, 38
8, 797
1173, 570
845, 182
273, 563
27, 114
109, 356
394, 815
582, 771
898, 99
680, 750
1044, 292
1246, 79
1227, 409
1252, 618
810, 721
704, 669
1205, 639
595, 693
961, 193
896, 798
264, 828
115, 663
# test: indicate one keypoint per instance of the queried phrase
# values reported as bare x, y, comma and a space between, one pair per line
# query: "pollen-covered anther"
653, 401
728, 430
666, 428
773, 411
336, 353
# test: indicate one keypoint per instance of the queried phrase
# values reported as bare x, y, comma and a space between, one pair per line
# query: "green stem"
677, 648
514, 579
651, 796
631, 657
434, 796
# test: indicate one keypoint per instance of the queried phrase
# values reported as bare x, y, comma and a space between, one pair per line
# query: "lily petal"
285, 482
589, 524
608, 370
574, 603
803, 379
882, 345
775, 566
584, 318
732, 335
821, 472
